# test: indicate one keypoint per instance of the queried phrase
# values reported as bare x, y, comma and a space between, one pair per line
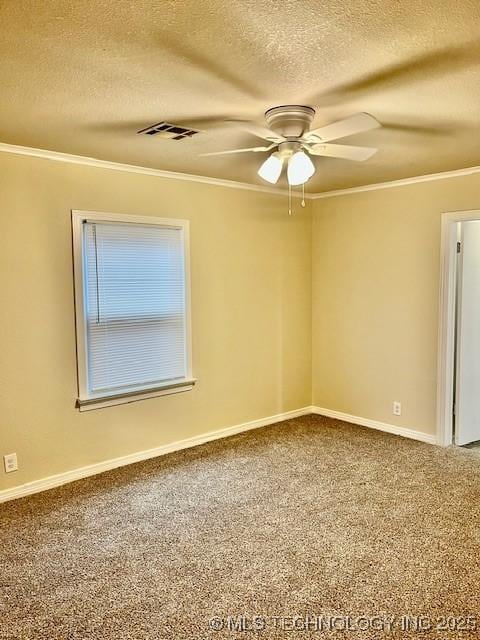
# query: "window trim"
86, 401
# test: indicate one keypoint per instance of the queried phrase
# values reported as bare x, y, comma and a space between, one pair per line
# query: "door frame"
447, 320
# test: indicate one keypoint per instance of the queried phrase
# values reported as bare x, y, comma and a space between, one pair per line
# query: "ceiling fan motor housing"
290, 121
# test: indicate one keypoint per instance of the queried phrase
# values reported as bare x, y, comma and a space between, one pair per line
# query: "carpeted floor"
287, 526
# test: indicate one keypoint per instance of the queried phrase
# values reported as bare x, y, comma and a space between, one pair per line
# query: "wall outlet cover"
10, 462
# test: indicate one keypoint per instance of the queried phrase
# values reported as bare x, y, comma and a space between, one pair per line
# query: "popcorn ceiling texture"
311, 516
83, 77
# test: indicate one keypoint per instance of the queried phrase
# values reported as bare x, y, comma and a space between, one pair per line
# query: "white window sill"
87, 404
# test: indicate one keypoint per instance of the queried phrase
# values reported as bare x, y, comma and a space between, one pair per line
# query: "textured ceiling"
83, 76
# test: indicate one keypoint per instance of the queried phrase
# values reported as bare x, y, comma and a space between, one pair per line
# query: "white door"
467, 393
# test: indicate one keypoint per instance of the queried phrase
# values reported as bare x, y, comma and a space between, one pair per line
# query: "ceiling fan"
289, 134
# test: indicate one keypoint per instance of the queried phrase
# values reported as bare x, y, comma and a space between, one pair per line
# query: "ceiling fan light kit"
299, 166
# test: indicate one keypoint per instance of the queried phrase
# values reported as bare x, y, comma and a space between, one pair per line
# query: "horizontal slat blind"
134, 277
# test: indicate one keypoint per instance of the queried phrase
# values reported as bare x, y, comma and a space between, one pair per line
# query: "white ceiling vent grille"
169, 131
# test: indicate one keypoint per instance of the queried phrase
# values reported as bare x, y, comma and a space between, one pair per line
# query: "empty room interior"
239, 319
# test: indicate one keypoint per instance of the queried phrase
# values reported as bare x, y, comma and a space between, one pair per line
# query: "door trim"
446, 328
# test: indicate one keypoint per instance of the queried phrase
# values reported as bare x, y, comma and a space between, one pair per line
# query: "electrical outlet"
397, 408
10, 462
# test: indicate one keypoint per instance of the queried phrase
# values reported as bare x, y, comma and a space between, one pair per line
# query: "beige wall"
376, 268
375, 289
251, 306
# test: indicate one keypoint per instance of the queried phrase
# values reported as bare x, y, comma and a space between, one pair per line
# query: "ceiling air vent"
169, 131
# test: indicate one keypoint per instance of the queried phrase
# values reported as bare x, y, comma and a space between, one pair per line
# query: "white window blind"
134, 306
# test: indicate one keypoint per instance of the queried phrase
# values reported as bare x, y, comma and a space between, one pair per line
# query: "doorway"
458, 407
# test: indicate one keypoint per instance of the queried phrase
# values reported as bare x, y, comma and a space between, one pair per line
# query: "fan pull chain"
303, 194
289, 199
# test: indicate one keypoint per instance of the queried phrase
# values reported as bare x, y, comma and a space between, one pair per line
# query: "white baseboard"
374, 424
83, 472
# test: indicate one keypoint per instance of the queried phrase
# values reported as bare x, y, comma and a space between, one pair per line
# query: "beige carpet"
291, 524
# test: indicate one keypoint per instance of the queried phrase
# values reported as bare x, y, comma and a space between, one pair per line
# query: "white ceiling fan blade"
228, 151
257, 130
345, 151
343, 128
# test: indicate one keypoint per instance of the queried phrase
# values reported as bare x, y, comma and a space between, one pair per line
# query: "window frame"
85, 400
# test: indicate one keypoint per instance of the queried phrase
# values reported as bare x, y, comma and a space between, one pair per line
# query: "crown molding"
220, 182
457, 173
131, 168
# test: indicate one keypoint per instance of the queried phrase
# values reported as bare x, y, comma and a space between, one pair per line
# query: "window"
132, 307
